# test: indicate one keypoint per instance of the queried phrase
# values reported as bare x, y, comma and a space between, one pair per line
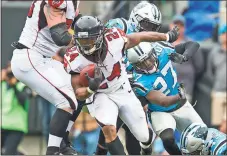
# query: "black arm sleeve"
60, 34
187, 49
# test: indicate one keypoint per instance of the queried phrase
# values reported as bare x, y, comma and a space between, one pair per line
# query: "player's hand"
177, 58
207, 146
173, 34
182, 93
95, 82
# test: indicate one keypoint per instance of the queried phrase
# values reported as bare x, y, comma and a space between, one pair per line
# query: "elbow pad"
60, 34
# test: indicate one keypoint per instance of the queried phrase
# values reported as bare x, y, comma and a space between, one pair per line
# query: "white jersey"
112, 68
36, 34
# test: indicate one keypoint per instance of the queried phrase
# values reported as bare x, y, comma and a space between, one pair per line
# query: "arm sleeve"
187, 49
198, 63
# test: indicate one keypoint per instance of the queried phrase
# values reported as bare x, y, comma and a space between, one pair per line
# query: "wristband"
90, 91
167, 37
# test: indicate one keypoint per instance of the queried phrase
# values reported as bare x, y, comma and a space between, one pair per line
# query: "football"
88, 69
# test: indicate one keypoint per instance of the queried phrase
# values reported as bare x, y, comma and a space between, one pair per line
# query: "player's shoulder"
115, 35
143, 79
116, 22
142, 83
163, 49
114, 29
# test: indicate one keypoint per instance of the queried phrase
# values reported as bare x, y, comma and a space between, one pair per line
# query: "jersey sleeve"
70, 14
142, 85
72, 61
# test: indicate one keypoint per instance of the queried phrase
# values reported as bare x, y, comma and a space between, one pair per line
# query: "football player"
197, 139
145, 16
46, 31
155, 79
109, 90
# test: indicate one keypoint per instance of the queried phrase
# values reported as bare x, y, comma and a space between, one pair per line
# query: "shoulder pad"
58, 4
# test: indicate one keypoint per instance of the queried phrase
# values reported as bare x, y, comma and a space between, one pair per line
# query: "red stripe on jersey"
104, 86
122, 33
116, 72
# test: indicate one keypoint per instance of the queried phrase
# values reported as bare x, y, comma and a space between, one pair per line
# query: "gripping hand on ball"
173, 34
177, 58
93, 83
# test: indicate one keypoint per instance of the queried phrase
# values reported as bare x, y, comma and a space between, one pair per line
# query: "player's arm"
135, 38
56, 21
82, 93
158, 97
184, 52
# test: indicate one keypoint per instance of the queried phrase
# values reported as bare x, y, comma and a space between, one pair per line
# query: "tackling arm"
158, 97
187, 49
135, 38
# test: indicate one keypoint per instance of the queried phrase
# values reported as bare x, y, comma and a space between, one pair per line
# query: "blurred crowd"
204, 77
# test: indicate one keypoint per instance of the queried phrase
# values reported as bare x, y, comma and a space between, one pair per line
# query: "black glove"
177, 58
181, 92
95, 82
173, 34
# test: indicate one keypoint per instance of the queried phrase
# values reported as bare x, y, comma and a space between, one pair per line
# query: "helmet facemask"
195, 146
148, 64
89, 44
147, 25
193, 139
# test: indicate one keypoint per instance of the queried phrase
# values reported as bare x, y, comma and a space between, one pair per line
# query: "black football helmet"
89, 34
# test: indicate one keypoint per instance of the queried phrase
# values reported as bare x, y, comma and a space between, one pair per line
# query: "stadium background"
202, 21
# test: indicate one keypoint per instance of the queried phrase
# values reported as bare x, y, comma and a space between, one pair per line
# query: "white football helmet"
143, 58
193, 139
146, 17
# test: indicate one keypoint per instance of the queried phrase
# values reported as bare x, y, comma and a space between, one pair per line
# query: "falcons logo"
55, 3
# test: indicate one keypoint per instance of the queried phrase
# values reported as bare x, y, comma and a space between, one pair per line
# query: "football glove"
94, 83
182, 93
177, 58
173, 34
